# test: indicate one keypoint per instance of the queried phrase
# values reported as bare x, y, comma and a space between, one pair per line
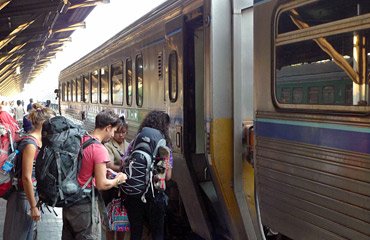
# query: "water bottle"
9, 163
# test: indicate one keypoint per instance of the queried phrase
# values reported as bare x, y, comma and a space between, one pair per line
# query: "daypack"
59, 162
8, 138
141, 163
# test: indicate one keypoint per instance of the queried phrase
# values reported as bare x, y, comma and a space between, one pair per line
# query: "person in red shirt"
81, 221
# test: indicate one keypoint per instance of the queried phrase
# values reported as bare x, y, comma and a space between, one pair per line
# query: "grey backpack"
59, 161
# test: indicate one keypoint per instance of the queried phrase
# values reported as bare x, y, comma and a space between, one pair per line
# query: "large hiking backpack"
59, 162
8, 137
139, 165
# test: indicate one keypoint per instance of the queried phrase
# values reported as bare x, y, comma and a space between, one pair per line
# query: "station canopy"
31, 33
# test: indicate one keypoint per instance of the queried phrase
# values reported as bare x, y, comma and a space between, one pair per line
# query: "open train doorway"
196, 135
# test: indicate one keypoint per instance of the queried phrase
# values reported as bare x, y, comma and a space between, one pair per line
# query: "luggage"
8, 137
141, 163
59, 162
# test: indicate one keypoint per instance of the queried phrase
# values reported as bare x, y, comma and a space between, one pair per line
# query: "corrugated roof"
31, 33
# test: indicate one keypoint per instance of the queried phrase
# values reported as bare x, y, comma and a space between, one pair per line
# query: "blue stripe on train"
328, 135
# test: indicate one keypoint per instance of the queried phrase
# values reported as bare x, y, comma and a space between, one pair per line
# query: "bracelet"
118, 182
34, 207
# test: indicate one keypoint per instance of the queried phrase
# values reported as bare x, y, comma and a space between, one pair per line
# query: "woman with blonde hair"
21, 210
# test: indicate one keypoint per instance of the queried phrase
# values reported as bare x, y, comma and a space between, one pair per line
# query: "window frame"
72, 85
122, 82
170, 87
100, 85
97, 87
137, 96
127, 78
86, 99
329, 29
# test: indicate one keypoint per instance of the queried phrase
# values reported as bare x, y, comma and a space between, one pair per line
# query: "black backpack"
141, 162
59, 162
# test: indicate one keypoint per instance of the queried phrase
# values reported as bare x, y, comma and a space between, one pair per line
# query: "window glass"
104, 85
68, 91
63, 92
330, 70
139, 73
117, 83
72, 91
286, 95
328, 95
129, 81
94, 86
349, 95
313, 95
78, 89
297, 95
86, 84
172, 76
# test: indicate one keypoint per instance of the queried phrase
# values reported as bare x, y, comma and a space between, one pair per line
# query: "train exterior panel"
175, 59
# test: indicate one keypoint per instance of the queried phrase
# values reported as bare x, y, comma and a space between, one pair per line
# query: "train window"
160, 65
348, 95
63, 92
313, 95
321, 48
172, 76
139, 73
328, 95
78, 89
286, 95
72, 91
94, 86
129, 81
86, 87
117, 83
68, 91
104, 85
297, 95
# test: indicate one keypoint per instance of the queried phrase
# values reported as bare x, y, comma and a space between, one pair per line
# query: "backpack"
8, 138
140, 165
59, 162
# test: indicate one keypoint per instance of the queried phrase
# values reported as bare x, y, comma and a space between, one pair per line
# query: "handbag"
117, 216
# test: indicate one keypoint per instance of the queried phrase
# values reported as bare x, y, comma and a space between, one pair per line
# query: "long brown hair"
160, 121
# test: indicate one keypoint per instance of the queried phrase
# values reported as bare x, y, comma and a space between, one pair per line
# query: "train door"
186, 125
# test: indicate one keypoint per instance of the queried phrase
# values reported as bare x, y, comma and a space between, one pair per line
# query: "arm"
27, 165
169, 165
102, 183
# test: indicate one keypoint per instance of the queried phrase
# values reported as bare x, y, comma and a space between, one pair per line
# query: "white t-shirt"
19, 112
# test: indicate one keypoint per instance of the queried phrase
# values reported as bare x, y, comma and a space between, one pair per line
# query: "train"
269, 106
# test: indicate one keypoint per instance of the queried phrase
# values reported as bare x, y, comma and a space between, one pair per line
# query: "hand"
35, 214
121, 178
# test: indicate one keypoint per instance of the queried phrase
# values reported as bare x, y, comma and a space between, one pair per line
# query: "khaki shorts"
79, 224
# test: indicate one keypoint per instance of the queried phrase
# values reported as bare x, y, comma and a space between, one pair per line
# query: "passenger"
94, 160
47, 103
153, 211
19, 113
21, 210
116, 147
27, 124
29, 106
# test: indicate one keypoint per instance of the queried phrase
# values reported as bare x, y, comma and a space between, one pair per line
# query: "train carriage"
269, 106
312, 126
